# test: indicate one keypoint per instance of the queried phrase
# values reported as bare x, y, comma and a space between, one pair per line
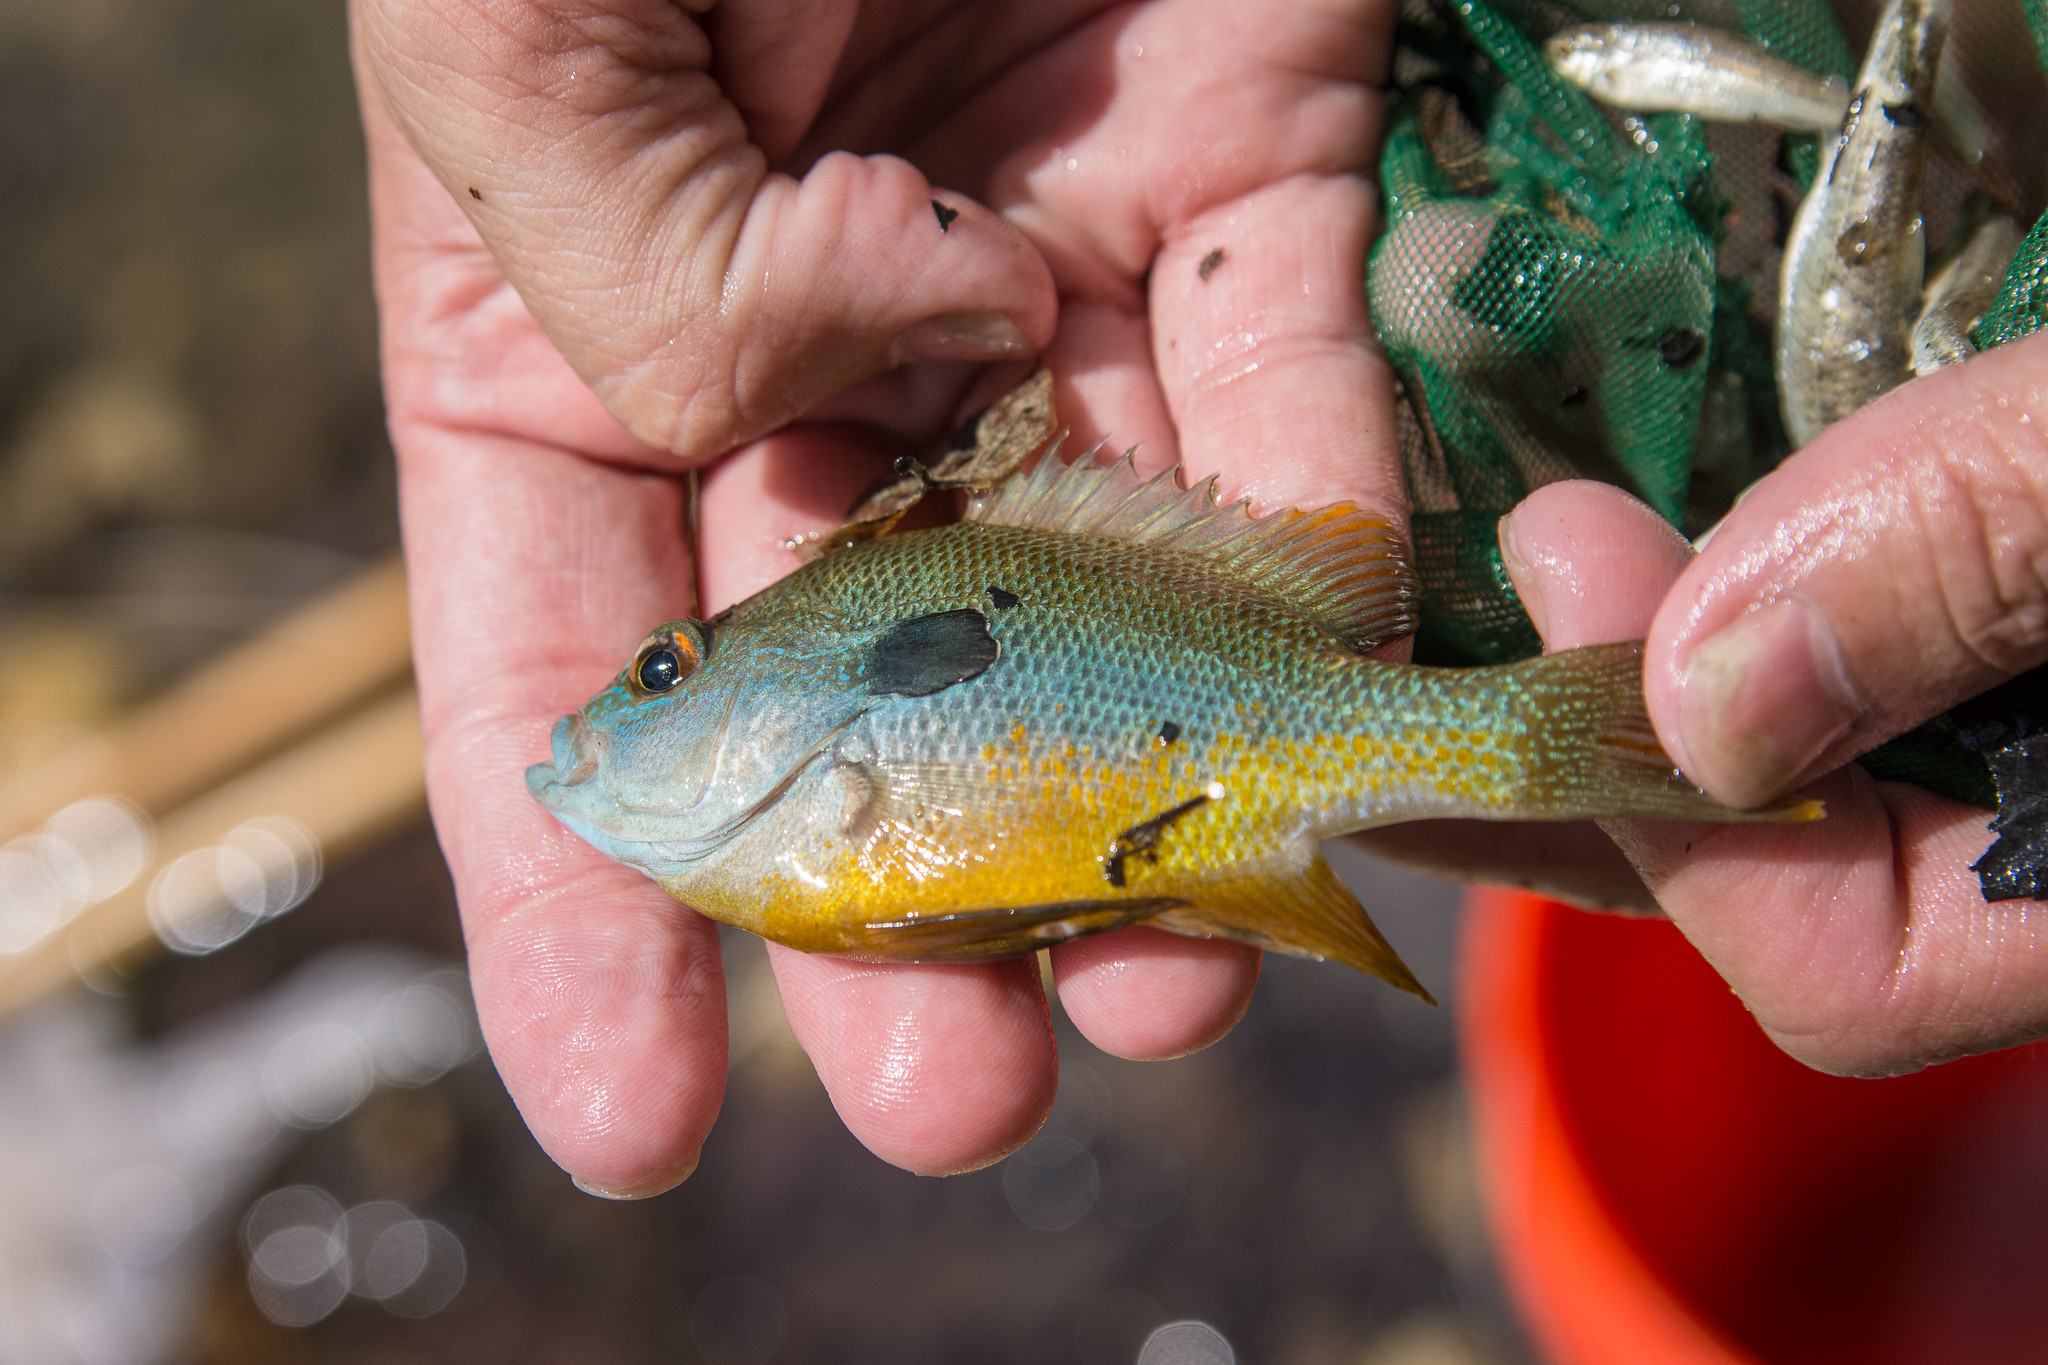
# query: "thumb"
705, 299
1892, 568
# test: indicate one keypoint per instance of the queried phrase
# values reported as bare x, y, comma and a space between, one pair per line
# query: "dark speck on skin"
1573, 396
476, 194
1001, 600
1168, 733
1209, 264
946, 215
1681, 347
1143, 840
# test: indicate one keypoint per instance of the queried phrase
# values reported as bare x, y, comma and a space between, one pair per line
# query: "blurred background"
243, 1113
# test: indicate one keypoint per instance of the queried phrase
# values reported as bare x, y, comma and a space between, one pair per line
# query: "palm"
543, 538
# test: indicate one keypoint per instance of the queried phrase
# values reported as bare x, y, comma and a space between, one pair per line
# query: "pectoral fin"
1307, 913
1003, 931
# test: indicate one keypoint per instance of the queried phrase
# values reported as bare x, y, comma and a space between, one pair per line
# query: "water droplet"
1186, 1343
444, 1269
210, 897
298, 1264
33, 898
106, 843
1081, 1106
423, 1031
1143, 1180
316, 1076
1051, 1184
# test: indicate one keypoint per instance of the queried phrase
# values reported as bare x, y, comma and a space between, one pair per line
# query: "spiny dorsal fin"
1345, 568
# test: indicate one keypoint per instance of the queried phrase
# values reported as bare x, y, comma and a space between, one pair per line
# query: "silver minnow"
1850, 285
1689, 69
1958, 296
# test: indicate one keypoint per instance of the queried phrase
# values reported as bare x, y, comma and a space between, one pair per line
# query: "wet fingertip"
972, 1145
1145, 995
936, 1069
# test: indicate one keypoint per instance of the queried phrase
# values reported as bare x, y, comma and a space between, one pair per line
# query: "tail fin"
1599, 755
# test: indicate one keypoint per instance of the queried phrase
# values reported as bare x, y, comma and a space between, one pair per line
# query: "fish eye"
660, 670
667, 658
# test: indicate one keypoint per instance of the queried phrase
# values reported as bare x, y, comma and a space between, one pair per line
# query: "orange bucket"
1667, 1188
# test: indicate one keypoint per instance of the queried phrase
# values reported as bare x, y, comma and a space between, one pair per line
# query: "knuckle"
1988, 535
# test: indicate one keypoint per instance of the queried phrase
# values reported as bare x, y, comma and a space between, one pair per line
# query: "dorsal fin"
1346, 569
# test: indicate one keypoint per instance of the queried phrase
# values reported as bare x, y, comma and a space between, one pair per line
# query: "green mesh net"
2022, 305
1571, 291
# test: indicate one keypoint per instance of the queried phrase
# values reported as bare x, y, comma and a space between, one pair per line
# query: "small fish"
1849, 287
1096, 701
1958, 296
1690, 69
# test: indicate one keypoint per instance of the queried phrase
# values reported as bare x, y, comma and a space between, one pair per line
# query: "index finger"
1266, 354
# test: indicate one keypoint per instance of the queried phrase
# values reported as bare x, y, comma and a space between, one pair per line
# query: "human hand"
614, 242
1895, 566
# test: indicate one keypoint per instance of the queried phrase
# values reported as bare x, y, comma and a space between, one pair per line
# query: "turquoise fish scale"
1109, 641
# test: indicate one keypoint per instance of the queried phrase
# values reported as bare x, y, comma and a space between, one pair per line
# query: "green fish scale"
1111, 639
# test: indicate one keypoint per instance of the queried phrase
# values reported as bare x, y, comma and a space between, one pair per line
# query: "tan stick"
329, 654
348, 786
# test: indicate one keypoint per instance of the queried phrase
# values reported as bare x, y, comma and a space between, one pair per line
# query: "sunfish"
1096, 701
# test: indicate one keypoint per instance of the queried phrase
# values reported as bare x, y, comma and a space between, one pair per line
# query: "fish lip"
573, 762
540, 779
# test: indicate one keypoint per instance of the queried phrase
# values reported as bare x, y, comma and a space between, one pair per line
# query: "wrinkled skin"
639, 287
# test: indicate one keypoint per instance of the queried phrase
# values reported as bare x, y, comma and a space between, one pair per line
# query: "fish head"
1576, 54
701, 734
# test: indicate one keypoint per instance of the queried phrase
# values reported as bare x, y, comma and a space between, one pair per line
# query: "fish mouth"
574, 761
646, 837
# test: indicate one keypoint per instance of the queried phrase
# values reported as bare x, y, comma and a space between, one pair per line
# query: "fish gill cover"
1569, 290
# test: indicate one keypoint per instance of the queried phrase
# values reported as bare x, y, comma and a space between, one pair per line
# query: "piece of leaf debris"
1209, 264
946, 215
2014, 867
987, 449
2007, 728
990, 446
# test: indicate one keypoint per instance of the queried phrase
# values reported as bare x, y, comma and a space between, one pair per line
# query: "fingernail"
1761, 700
960, 336
663, 1185
1528, 584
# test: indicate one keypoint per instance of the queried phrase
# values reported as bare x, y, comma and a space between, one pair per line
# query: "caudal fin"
1596, 753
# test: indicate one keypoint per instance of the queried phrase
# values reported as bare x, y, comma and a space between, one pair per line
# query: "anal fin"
1308, 913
